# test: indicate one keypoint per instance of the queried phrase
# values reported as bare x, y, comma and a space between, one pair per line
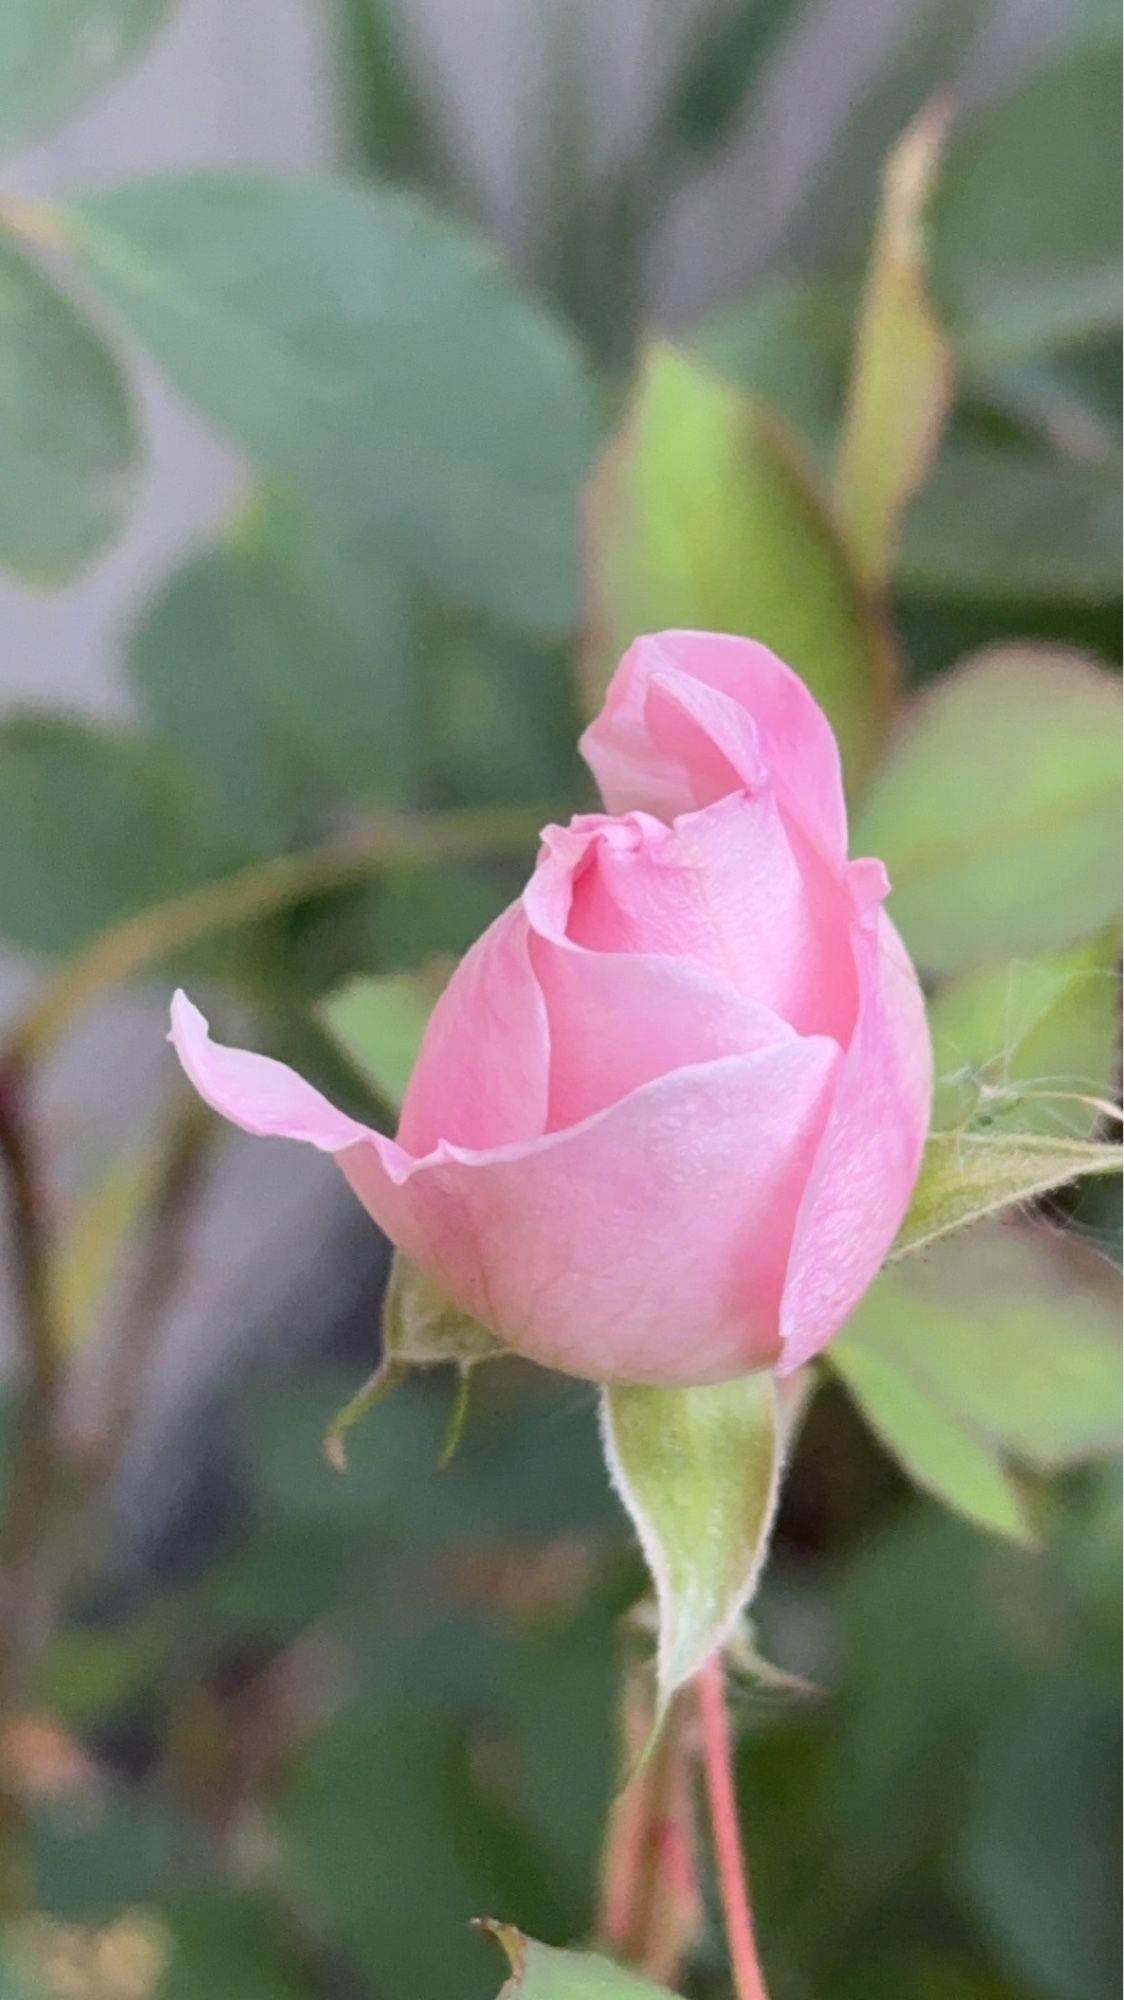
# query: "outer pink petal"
649, 1243
871, 1151
482, 1076
689, 716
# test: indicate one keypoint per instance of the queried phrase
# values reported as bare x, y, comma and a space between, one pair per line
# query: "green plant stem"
710, 1688
140, 942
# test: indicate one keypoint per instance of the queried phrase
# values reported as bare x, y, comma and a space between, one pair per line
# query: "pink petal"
871, 1151
689, 716
647, 1244
262, 1096
482, 1076
732, 891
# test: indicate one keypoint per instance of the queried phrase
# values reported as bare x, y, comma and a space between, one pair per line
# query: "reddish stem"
710, 1685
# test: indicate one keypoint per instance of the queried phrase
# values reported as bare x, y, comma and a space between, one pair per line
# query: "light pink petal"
733, 891
648, 1244
482, 1075
262, 1096
871, 1151
690, 716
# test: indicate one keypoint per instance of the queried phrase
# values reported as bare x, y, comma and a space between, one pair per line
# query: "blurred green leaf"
432, 911
387, 1839
901, 380
1013, 525
501, 715
364, 349
1025, 222
698, 1471
54, 54
539, 1972
395, 118
68, 436
997, 811
966, 1176
787, 343
96, 1856
378, 1024
92, 827
700, 515
724, 49
1037, 1856
234, 1945
1029, 1044
1002, 1345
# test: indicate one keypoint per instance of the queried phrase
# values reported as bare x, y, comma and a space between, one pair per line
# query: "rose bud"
669, 1111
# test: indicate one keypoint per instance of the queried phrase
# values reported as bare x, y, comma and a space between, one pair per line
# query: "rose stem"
710, 1685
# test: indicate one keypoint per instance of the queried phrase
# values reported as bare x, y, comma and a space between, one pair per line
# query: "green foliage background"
384, 1705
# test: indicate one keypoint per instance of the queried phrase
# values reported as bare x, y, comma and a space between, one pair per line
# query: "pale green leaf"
54, 54
360, 346
1029, 1044
420, 1328
698, 1470
997, 812
901, 377
540, 1972
377, 1022
1002, 1346
701, 515
68, 439
968, 1175
1026, 220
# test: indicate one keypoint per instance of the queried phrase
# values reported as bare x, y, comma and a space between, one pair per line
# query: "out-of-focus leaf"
501, 716
997, 812
387, 1839
279, 667
966, 1176
394, 117
95, 1857
68, 437
364, 349
723, 52
378, 1022
92, 827
787, 343
235, 1945
1002, 1346
1036, 1858
1025, 221
700, 515
1029, 1044
539, 1972
189, 659
901, 378
1014, 525
54, 54
698, 1471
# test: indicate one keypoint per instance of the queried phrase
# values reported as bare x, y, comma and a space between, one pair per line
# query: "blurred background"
319, 526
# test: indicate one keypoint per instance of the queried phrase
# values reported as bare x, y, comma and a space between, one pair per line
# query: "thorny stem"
710, 1688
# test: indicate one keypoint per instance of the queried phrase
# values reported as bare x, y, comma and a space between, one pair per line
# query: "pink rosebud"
670, 1109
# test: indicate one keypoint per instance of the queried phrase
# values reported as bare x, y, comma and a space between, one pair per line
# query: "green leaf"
901, 380
968, 1175
788, 344
1029, 1044
92, 827
364, 349
699, 1472
420, 1327
54, 54
1025, 222
235, 1945
1003, 524
1001, 1346
701, 515
394, 114
997, 812
539, 1972
377, 1022
68, 437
